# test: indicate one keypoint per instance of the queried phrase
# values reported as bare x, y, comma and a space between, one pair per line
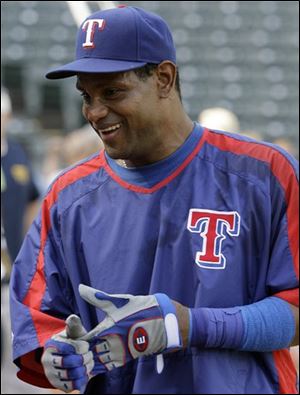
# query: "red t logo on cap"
90, 27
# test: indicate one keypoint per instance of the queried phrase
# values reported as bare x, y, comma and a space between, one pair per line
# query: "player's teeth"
111, 128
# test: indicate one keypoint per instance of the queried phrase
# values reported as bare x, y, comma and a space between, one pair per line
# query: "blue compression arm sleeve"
263, 326
268, 325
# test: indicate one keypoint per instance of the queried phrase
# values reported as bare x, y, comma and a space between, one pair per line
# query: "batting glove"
66, 359
134, 326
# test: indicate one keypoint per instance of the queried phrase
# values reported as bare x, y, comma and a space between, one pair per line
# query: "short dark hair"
146, 71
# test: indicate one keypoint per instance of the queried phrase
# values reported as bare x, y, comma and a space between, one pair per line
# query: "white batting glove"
134, 326
67, 360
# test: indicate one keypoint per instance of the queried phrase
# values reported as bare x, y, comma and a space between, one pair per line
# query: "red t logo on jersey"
213, 227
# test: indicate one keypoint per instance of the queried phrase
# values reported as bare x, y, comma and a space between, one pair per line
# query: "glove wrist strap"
170, 320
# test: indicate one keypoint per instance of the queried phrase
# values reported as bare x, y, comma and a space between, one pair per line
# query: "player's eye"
85, 96
111, 93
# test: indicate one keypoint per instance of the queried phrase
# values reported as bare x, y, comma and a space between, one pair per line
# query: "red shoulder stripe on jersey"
281, 169
286, 371
45, 324
159, 185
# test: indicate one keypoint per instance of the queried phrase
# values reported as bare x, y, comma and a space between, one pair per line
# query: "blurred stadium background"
240, 55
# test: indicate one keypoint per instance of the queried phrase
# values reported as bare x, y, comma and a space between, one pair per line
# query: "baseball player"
166, 263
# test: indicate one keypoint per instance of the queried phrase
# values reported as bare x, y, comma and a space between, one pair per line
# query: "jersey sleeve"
283, 272
40, 293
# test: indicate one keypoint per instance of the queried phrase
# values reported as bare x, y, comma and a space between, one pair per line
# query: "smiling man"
168, 262
117, 106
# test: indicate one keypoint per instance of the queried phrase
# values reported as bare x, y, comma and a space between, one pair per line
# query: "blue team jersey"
213, 225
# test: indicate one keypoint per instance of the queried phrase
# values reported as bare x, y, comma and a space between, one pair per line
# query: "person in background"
219, 118
65, 151
5, 263
80, 144
20, 199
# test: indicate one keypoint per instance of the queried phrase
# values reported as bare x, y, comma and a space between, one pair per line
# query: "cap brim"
92, 65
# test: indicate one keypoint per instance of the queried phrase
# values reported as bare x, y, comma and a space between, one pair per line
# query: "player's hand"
67, 360
134, 326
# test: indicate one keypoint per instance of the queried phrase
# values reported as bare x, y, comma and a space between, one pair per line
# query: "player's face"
125, 112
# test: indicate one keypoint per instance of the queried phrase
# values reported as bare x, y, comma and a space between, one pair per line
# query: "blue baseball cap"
119, 39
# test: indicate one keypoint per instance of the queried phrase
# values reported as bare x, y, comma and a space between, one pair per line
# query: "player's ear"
166, 76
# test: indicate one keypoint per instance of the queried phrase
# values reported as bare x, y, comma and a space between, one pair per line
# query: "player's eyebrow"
99, 85
106, 80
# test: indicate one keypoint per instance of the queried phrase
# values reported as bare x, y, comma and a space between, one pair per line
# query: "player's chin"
115, 152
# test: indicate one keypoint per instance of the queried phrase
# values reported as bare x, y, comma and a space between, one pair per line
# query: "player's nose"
96, 112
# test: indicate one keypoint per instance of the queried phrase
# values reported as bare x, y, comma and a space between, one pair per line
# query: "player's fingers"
68, 361
102, 347
68, 346
73, 361
74, 327
104, 358
72, 374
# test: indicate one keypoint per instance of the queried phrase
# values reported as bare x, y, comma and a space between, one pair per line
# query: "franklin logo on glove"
140, 339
